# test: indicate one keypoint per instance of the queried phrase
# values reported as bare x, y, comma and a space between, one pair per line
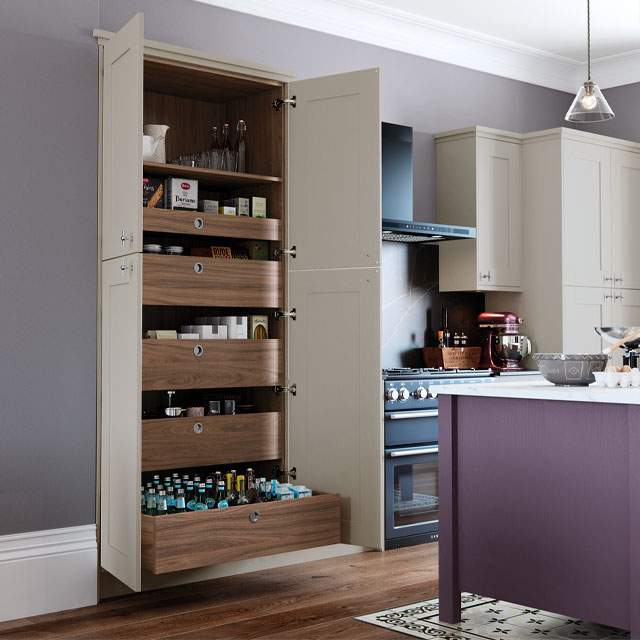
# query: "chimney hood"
422, 232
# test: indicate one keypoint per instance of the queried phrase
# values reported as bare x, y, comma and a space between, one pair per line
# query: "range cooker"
411, 449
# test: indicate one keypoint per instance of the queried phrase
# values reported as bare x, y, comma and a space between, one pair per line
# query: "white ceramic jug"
153, 147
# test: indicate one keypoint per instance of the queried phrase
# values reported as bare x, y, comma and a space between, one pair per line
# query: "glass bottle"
210, 498
251, 485
240, 148
221, 501
149, 486
196, 481
201, 498
274, 489
242, 496
190, 496
152, 509
258, 497
175, 477
156, 482
161, 508
171, 499
231, 496
215, 152
227, 153
180, 503
143, 501
185, 479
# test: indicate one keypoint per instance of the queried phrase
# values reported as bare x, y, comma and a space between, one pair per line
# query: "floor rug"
489, 619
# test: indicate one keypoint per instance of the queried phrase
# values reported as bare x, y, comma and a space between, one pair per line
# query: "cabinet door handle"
608, 296
620, 296
608, 278
486, 276
124, 267
619, 279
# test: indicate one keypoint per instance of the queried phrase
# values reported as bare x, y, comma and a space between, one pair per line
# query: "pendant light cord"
589, 39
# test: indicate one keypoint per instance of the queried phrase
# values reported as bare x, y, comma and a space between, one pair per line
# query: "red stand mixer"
503, 348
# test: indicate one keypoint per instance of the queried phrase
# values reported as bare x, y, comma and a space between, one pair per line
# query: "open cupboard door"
122, 141
121, 410
335, 437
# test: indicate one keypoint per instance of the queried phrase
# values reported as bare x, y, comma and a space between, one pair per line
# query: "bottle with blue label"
221, 501
151, 503
143, 501
210, 498
161, 508
190, 496
171, 499
201, 498
156, 482
180, 503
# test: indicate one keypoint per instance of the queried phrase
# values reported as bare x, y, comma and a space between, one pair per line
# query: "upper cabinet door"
625, 218
122, 141
499, 214
586, 219
334, 161
121, 410
335, 418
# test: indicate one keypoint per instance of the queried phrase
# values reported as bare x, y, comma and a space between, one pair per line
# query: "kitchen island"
540, 499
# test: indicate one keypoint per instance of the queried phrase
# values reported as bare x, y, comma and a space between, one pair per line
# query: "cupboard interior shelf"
215, 225
209, 177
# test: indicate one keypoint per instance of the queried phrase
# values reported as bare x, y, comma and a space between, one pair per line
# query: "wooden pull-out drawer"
171, 443
210, 282
210, 364
196, 223
189, 540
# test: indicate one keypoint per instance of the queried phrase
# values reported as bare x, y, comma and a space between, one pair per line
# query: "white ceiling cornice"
369, 22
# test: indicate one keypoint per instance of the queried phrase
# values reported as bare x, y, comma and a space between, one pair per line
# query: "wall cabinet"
330, 430
479, 185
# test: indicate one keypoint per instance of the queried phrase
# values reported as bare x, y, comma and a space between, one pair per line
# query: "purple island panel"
540, 506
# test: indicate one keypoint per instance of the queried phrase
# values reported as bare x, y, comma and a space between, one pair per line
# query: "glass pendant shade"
589, 105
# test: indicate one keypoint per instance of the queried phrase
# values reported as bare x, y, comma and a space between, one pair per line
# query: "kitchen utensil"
152, 248
503, 348
613, 334
173, 250
571, 369
622, 341
156, 146
173, 412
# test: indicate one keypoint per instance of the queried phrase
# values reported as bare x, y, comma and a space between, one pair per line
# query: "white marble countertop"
543, 391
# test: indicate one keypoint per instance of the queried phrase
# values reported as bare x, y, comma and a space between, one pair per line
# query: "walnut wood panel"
172, 442
172, 364
214, 225
190, 540
200, 83
172, 280
208, 177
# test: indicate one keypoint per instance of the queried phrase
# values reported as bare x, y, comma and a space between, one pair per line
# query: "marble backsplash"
411, 304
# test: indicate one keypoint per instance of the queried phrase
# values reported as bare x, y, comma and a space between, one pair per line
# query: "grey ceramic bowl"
570, 369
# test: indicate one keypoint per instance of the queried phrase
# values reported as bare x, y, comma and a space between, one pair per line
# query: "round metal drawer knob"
198, 268
198, 223
197, 428
254, 516
198, 350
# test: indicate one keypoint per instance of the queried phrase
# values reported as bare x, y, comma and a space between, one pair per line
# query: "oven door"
411, 493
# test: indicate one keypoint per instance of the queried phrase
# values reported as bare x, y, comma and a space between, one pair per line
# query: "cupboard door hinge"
284, 314
278, 389
276, 104
279, 473
285, 252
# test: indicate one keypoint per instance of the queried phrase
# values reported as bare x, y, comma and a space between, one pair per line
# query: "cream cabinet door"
334, 164
499, 214
586, 224
625, 218
121, 414
626, 308
585, 308
335, 431
122, 141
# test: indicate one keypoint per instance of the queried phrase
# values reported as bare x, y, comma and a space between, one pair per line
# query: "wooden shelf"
189, 540
173, 281
214, 225
208, 177
173, 364
171, 443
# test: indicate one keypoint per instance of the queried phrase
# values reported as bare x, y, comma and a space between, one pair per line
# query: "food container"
173, 250
188, 336
236, 327
195, 412
259, 327
573, 369
229, 407
214, 408
245, 408
152, 248
452, 357
181, 193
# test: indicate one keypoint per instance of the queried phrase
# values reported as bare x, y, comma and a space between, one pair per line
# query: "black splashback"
411, 304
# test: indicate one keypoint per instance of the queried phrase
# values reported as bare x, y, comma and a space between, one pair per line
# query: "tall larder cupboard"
315, 382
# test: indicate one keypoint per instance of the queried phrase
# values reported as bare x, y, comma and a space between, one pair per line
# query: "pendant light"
589, 104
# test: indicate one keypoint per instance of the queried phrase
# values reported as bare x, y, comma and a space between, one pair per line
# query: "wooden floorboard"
309, 601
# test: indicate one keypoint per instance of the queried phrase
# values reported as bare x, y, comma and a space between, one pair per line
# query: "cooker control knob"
420, 393
432, 393
404, 394
392, 394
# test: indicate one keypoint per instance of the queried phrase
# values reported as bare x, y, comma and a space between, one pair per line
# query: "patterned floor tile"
537, 620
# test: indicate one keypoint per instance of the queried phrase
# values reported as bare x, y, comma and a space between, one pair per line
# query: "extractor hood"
422, 232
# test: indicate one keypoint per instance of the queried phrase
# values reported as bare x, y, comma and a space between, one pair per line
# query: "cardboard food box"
241, 205
226, 210
259, 327
258, 207
258, 249
452, 357
201, 252
153, 193
208, 206
221, 252
181, 193
236, 326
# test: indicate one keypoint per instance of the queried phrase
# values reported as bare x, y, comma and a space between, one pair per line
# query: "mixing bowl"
570, 369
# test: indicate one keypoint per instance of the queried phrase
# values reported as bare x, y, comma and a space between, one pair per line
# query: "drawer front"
211, 282
191, 442
173, 364
196, 223
189, 540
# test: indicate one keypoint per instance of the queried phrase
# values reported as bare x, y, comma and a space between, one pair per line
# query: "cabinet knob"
198, 268
198, 350
197, 428
198, 223
254, 516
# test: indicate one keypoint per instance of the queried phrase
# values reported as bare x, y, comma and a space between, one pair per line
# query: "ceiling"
542, 42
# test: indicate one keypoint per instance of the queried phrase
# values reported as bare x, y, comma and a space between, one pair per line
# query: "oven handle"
408, 415
412, 452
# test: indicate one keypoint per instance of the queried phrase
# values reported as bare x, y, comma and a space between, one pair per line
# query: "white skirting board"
46, 571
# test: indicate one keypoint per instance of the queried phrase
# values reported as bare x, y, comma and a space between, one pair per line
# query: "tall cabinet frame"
317, 159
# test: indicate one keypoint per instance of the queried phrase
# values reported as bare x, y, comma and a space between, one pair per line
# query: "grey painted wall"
48, 120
